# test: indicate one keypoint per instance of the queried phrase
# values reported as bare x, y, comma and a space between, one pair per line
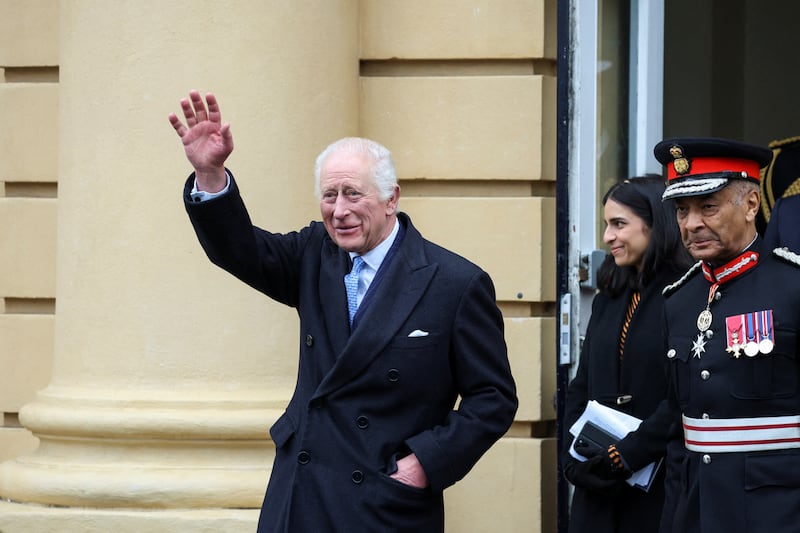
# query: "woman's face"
626, 234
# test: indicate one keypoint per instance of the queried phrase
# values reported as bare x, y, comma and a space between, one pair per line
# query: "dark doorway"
731, 69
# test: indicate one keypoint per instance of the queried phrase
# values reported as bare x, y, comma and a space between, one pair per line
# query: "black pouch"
593, 440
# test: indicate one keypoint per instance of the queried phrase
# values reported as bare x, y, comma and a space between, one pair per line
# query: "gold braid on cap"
783, 142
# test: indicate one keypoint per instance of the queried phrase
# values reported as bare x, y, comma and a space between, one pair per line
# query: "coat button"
363, 422
303, 457
357, 476
393, 375
705, 416
671, 353
704, 375
309, 341
707, 459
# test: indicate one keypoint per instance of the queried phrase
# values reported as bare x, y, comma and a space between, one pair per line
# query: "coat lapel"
605, 348
404, 283
332, 297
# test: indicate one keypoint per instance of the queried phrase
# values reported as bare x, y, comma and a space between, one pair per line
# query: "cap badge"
681, 163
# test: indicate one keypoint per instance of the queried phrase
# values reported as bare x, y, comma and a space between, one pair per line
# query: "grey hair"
382, 171
742, 188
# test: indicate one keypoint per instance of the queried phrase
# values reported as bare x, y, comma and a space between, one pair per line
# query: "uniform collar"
734, 268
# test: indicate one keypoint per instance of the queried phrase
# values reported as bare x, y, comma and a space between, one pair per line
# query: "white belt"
741, 434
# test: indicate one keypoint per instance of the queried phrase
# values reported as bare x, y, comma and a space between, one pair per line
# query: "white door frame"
645, 130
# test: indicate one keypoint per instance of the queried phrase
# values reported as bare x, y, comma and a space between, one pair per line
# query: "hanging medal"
699, 345
751, 346
765, 329
734, 325
704, 318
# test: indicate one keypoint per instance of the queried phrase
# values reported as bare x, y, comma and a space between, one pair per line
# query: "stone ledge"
24, 518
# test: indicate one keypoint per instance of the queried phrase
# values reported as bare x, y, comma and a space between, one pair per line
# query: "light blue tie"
351, 284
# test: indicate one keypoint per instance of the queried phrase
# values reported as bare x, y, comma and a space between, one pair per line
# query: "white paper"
618, 424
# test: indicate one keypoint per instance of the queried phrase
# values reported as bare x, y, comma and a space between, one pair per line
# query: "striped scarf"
635, 298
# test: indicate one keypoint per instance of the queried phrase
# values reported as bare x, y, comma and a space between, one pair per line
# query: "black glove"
592, 475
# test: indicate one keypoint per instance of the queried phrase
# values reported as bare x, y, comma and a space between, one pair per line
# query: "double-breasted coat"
430, 334
634, 383
747, 491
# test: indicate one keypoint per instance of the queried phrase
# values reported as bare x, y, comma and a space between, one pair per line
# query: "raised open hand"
206, 141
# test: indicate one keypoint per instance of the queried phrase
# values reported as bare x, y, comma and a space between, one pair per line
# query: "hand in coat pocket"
409, 471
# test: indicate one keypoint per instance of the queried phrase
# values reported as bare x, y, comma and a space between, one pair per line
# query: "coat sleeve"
578, 389
484, 383
266, 261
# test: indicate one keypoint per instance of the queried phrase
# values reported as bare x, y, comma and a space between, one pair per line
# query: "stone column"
167, 371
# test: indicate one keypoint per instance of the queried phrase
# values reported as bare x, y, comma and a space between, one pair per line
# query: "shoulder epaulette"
787, 255
689, 273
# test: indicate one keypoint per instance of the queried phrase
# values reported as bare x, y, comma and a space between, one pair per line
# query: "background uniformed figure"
732, 325
370, 438
784, 224
780, 195
621, 362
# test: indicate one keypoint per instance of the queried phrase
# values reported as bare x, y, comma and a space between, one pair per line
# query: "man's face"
353, 213
717, 227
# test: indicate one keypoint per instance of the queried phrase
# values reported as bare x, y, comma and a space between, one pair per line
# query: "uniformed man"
780, 196
732, 324
779, 180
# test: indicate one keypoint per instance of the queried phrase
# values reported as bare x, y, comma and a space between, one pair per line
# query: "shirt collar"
375, 257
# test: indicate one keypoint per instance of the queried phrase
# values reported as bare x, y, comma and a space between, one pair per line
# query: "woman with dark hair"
623, 361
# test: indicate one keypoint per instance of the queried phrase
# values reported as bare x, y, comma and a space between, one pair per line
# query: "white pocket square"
418, 333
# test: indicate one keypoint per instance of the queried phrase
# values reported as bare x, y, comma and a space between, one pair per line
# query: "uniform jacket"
784, 224
639, 380
431, 333
746, 492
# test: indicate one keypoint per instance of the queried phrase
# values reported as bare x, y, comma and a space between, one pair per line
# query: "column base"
165, 453
24, 518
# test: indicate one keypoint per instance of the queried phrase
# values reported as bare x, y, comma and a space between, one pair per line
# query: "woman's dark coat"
641, 374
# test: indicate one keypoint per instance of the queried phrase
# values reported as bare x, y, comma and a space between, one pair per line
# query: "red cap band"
715, 165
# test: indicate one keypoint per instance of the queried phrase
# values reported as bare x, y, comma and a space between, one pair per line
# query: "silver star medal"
699, 346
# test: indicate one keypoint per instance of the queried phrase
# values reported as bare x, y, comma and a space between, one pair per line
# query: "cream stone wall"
28, 189
149, 376
464, 94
